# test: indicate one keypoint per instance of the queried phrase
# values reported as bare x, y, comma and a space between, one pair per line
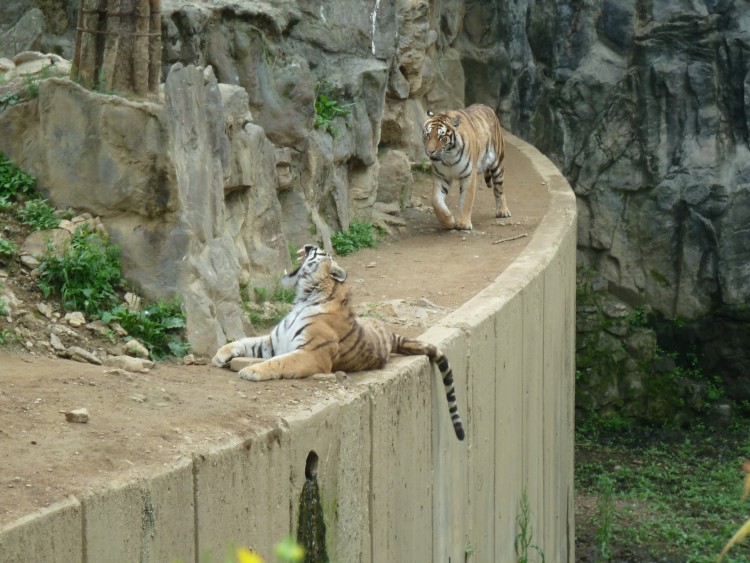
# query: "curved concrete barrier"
394, 483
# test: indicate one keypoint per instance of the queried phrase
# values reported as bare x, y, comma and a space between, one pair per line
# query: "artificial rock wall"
207, 186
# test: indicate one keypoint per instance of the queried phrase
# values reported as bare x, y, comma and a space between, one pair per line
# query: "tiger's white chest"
291, 333
460, 164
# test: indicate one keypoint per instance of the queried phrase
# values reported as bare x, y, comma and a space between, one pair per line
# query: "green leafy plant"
9, 99
326, 110
360, 235
14, 182
283, 294
86, 275
523, 542
8, 249
158, 326
38, 214
638, 317
31, 87
6, 337
422, 165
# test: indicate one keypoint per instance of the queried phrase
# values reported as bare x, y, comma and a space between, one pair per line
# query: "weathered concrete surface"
395, 483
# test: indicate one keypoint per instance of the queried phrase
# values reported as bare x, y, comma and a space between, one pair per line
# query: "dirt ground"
142, 421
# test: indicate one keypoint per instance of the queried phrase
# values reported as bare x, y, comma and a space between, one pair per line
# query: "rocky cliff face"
645, 108
643, 104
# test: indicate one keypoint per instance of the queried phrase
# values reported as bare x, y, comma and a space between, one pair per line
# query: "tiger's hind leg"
494, 178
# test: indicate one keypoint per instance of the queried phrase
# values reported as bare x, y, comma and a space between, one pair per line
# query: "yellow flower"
244, 555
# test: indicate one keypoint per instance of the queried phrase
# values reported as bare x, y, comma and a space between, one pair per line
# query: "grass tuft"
360, 235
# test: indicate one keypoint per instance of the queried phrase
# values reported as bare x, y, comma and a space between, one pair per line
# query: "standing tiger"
322, 333
462, 144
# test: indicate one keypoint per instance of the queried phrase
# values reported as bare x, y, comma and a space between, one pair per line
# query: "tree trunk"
154, 46
118, 46
141, 42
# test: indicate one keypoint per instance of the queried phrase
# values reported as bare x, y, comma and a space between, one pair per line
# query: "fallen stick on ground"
510, 238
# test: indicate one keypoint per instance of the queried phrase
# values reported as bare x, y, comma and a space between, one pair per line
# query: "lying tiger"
322, 334
462, 144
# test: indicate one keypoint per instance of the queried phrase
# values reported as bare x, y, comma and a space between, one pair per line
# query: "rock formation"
205, 187
644, 107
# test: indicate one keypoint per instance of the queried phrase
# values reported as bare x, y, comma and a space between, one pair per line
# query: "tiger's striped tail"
447, 373
411, 347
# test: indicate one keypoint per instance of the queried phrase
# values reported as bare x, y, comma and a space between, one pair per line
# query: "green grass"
674, 495
606, 514
526, 549
360, 235
264, 308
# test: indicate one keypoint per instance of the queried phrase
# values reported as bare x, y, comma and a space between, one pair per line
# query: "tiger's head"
317, 271
439, 135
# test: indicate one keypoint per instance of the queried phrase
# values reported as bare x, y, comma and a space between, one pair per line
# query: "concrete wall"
396, 485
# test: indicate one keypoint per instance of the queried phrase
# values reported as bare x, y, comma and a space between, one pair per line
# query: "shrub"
8, 249
9, 99
358, 236
326, 109
158, 327
14, 182
86, 276
38, 214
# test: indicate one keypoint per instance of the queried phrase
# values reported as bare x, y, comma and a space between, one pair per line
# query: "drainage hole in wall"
311, 466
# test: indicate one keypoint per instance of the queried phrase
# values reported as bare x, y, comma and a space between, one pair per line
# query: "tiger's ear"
430, 114
456, 121
338, 273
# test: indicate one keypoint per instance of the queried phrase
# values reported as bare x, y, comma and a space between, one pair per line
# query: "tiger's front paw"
225, 354
249, 374
461, 226
449, 223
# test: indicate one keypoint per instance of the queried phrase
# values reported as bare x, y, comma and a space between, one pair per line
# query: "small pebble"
77, 415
